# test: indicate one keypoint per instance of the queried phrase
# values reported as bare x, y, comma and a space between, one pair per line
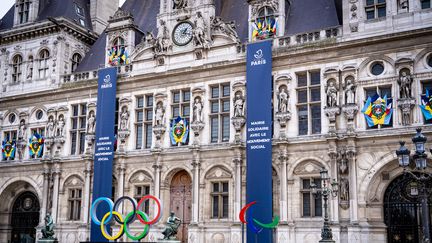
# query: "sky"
10, 3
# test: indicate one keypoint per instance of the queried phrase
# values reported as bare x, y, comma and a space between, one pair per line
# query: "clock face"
182, 33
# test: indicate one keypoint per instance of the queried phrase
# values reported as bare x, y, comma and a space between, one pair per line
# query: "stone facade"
362, 159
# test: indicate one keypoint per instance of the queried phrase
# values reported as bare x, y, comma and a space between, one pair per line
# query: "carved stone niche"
406, 102
197, 123
332, 108
91, 126
283, 111
159, 117
124, 122
239, 102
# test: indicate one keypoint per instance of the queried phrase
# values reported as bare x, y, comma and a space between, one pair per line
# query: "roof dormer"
26, 11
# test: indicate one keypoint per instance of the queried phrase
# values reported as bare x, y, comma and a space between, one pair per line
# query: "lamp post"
420, 161
328, 189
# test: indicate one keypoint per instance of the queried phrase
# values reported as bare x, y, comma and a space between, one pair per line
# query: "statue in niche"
331, 92
30, 68
238, 105
197, 110
91, 123
405, 82
283, 98
162, 42
199, 32
179, 4
159, 114
22, 130
350, 90
403, 4
50, 127
344, 189
60, 126
124, 119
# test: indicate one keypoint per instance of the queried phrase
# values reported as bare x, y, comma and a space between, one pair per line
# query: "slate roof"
54, 8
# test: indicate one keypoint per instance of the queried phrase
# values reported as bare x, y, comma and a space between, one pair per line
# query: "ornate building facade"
187, 58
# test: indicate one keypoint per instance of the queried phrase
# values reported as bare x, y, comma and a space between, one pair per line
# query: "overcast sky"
7, 4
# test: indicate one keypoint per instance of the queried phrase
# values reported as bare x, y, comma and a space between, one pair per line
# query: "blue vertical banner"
259, 138
104, 147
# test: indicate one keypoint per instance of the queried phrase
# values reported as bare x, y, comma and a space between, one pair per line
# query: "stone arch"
212, 172
363, 67
140, 175
6, 117
420, 57
73, 180
39, 51
314, 161
21, 179
170, 173
36, 108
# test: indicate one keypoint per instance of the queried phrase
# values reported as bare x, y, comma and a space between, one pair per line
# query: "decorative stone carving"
179, 4
60, 126
405, 82
239, 119
50, 127
218, 25
258, 4
353, 16
91, 123
343, 171
239, 104
332, 93
350, 111
200, 32
197, 110
29, 68
22, 130
159, 114
197, 124
91, 127
406, 105
283, 114
350, 90
120, 14
163, 38
124, 119
403, 6
159, 118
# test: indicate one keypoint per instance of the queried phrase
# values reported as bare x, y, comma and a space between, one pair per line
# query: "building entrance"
402, 210
181, 202
25, 218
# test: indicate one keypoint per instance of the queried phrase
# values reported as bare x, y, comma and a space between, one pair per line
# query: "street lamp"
327, 189
420, 160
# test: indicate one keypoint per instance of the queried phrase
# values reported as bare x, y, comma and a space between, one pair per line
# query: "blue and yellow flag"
8, 149
36, 144
179, 131
378, 111
426, 105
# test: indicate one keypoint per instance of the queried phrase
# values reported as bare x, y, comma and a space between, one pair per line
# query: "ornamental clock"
182, 33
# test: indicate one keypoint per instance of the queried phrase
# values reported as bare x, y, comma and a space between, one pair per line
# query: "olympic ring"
250, 221
130, 217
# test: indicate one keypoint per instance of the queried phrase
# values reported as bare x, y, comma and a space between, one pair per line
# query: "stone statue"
149, 38
331, 92
179, 4
60, 127
197, 110
238, 105
283, 100
91, 123
350, 91
50, 128
403, 4
162, 42
48, 231
227, 28
171, 227
30, 68
159, 114
344, 189
124, 119
199, 33
405, 82
22, 130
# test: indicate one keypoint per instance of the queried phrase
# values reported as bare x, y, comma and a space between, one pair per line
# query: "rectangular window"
309, 102
23, 11
425, 4
141, 191
78, 131
220, 113
375, 9
220, 200
143, 122
180, 106
381, 91
74, 202
311, 206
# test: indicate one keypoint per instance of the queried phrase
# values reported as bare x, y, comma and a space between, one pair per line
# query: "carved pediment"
218, 173
308, 168
141, 177
74, 181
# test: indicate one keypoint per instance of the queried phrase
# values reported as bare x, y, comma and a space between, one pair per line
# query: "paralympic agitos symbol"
250, 221
130, 217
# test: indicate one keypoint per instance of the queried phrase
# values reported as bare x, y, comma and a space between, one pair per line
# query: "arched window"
17, 68
118, 54
43, 63
23, 11
76, 59
265, 24
119, 43
375, 9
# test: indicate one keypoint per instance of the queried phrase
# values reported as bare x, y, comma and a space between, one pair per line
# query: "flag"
179, 131
426, 105
8, 149
378, 111
36, 144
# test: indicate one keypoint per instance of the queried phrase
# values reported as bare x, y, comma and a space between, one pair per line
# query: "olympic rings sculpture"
136, 213
250, 222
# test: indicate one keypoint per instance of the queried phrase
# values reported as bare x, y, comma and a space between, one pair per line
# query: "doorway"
25, 218
402, 210
181, 202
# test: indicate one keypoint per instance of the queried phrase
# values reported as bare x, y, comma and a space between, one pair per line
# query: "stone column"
195, 200
353, 185
46, 176
55, 199
290, 191
283, 157
87, 183
334, 201
238, 184
120, 183
157, 171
